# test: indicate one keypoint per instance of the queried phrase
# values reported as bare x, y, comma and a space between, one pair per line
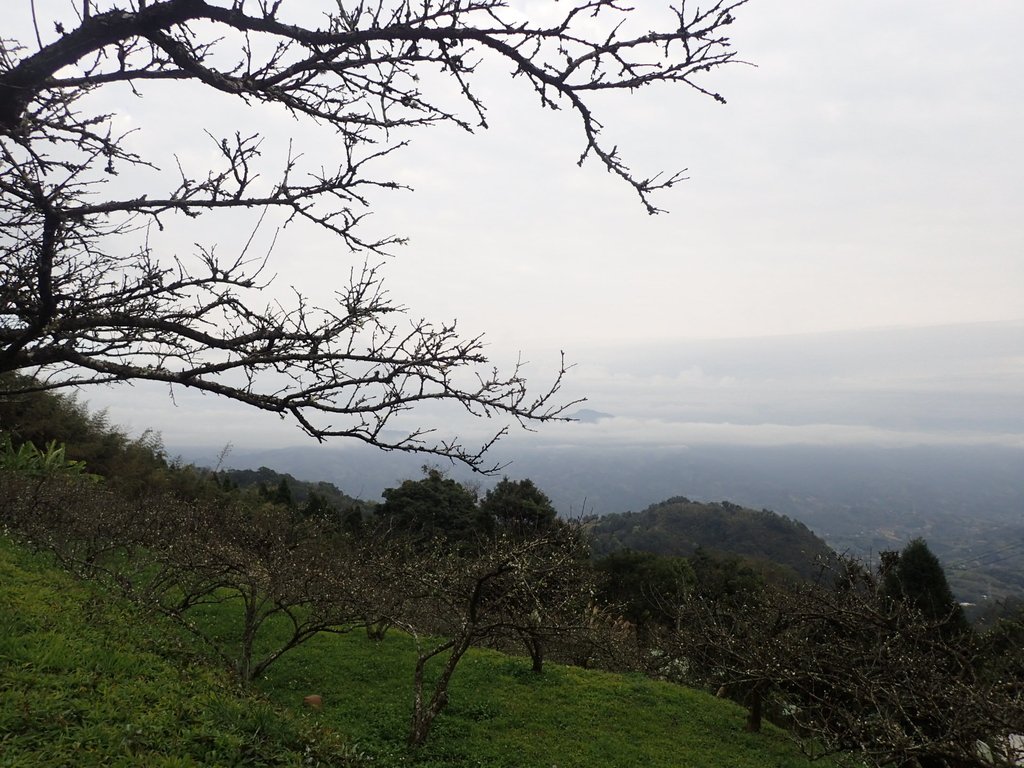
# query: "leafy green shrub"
28, 459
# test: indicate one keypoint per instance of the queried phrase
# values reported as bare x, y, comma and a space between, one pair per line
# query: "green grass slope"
502, 715
87, 681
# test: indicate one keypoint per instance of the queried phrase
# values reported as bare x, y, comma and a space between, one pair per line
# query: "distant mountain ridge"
679, 526
966, 501
300, 490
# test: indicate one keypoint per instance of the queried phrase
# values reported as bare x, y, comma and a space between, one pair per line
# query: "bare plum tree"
86, 294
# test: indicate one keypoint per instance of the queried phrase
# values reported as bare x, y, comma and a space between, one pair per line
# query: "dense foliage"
434, 506
518, 506
643, 587
915, 576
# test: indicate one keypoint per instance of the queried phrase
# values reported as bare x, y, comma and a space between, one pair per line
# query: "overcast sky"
868, 173
865, 174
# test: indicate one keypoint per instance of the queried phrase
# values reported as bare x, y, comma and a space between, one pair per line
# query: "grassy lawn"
503, 715
86, 680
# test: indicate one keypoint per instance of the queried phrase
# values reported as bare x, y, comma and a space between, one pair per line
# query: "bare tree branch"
80, 304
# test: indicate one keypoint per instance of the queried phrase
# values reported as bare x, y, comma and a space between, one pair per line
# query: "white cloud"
625, 433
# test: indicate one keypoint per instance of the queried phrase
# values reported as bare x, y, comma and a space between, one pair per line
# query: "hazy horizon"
949, 385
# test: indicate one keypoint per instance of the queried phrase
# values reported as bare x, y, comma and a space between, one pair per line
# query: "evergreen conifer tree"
915, 575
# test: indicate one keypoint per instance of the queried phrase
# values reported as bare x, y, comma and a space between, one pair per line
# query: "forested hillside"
679, 527
965, 500
285, 488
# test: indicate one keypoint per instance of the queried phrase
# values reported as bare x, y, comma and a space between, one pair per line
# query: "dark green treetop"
434, 506
518, 506
915, 575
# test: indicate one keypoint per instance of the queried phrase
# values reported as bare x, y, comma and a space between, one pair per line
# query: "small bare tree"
88, 296
285, 578
858, 674
537, 586
289, 578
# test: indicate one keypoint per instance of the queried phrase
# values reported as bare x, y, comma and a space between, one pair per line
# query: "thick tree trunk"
755, 708
536, 648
